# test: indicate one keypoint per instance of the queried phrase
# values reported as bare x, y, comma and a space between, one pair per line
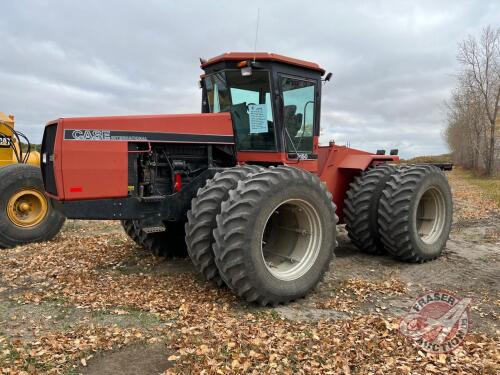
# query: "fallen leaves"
208, 329
51, 352
354, 291
261, 343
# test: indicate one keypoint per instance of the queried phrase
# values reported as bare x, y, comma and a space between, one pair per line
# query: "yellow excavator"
26, 213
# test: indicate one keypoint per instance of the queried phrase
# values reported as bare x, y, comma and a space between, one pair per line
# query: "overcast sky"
393, 62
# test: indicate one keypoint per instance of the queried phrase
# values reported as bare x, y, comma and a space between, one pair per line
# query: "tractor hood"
87, 157
190, 128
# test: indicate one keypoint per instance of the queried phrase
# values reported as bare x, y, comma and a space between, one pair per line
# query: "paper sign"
258, 118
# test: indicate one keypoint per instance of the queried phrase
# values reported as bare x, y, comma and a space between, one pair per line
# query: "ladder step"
155, 229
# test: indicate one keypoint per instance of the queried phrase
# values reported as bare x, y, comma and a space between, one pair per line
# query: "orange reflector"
242, 64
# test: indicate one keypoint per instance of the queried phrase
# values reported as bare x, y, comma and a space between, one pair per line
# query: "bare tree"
466, 127
481, 63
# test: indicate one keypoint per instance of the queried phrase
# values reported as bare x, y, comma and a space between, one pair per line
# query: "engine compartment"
161, 169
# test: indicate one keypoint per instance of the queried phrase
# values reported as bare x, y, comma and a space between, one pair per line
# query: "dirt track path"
91, 302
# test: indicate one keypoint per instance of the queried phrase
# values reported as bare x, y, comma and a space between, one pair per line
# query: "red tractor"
244, 185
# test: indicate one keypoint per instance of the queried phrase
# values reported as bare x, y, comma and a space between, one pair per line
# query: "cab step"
154, 229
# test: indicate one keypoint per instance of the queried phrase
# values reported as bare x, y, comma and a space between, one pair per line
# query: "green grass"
490, 185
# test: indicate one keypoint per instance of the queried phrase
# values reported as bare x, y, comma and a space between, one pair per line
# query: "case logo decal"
143, 136
91, 135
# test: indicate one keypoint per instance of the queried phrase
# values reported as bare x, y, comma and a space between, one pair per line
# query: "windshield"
248, 99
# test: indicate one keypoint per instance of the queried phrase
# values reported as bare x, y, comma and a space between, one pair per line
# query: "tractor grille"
47, 162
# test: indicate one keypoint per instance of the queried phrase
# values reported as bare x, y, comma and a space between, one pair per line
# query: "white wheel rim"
431, 215
291, 239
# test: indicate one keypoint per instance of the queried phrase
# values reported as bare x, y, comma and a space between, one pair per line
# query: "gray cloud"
393, 61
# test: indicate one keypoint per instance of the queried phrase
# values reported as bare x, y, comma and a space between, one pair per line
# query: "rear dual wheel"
415, 213
361, 208
406, 212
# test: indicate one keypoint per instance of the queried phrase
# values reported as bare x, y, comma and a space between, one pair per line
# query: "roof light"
242, 64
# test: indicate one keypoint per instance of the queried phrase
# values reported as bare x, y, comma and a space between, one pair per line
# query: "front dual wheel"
275, 235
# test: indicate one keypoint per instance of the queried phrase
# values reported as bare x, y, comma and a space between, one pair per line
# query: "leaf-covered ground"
92, 302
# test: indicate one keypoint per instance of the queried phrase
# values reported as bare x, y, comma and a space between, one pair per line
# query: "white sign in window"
258, 118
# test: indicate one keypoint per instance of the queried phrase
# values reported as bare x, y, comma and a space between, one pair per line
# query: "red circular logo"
437, 321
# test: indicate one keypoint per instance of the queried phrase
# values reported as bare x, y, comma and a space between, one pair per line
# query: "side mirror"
327, 77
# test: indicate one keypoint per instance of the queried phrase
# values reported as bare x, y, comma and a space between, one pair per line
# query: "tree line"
473, 109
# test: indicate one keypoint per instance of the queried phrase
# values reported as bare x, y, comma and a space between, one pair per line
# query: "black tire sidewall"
437, 181
263, 280
374, 204
13, 179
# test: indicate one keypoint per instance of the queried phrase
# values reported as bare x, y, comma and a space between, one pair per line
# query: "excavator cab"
274, 102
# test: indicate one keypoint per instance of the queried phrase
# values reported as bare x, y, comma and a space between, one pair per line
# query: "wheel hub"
431, 215
291, 240
27, 208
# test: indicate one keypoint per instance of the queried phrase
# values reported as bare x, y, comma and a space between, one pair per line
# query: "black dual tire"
361, 208
13, 179
255, 209
169, 243
202, 218
415, 213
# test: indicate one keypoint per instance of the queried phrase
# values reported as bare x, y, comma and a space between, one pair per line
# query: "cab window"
248, 99
298, 113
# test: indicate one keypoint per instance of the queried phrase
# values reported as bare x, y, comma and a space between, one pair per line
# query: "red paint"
338, 165
75, 189
263, 56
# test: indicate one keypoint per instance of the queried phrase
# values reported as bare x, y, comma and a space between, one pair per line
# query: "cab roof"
262, 56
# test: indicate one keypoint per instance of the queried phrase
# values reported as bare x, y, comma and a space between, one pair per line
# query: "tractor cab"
274, 102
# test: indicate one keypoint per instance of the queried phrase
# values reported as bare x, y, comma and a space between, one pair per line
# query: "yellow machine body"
28, 206
7, 155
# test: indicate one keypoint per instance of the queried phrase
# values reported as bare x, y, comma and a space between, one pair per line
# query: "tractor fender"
362, 162
343, 165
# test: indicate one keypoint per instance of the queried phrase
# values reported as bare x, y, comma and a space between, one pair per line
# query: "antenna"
256, 35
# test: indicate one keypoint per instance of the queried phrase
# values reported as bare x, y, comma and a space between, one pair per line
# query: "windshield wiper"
291, 142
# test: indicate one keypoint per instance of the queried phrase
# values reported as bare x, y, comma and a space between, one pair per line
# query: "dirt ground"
92, 302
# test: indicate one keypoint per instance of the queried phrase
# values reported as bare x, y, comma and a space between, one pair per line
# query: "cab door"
299, 117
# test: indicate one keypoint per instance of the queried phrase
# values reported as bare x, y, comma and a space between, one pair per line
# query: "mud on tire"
275, 235
361, 208
415, 213
167, 244
201, 218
